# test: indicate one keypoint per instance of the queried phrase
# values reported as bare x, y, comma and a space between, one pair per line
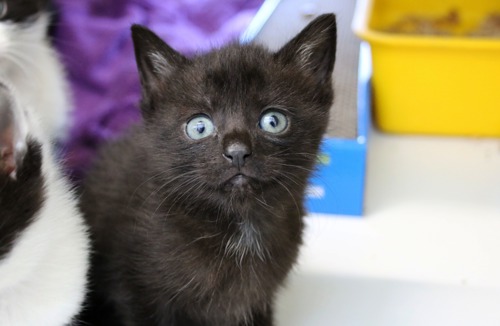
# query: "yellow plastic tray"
446, 85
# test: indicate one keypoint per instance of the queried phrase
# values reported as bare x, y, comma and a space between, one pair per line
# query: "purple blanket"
93, 37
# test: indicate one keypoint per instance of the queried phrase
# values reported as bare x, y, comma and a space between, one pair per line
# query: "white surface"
426, 253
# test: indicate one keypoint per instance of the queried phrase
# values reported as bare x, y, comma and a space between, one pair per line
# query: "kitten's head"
239, 123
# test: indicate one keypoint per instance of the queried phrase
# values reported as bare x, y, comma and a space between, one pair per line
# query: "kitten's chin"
239, 185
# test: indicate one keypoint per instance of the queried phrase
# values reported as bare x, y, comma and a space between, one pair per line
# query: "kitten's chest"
232, 271
231, 283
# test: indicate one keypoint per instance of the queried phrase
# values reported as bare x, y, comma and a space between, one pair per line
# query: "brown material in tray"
445, 25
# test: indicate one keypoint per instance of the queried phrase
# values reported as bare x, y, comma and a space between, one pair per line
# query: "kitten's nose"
237, 153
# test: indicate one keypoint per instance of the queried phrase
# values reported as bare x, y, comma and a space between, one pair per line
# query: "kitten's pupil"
200, 127
273, 121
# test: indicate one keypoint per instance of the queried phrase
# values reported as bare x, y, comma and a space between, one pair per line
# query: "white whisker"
290, 193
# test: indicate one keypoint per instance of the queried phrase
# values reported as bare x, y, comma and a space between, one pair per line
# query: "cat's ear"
313, 49
155, 58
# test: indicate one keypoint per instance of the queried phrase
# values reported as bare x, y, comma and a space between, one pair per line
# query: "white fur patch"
246, 242
29, 63
43, 279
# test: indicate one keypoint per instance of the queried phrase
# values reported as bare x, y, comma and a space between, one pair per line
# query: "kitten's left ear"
155, 58
313, 48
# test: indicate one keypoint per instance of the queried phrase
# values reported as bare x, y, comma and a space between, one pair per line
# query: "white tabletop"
426, 253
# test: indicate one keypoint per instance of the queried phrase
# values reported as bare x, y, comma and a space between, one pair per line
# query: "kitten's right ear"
155, 58
313, 49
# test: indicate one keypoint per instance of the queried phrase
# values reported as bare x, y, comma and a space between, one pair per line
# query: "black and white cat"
29, 63
196, 215
43, 239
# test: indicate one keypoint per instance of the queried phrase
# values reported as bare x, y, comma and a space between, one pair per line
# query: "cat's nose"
237, 154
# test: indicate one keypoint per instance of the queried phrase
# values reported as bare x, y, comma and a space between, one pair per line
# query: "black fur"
183, 235
20, 198
21, 10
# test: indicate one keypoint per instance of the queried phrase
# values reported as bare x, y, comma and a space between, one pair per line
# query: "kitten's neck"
243, 235
247, 240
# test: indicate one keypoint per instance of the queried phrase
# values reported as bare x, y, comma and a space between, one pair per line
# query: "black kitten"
197, 214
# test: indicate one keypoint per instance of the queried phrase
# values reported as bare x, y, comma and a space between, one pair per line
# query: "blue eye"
273, 122
199, 127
